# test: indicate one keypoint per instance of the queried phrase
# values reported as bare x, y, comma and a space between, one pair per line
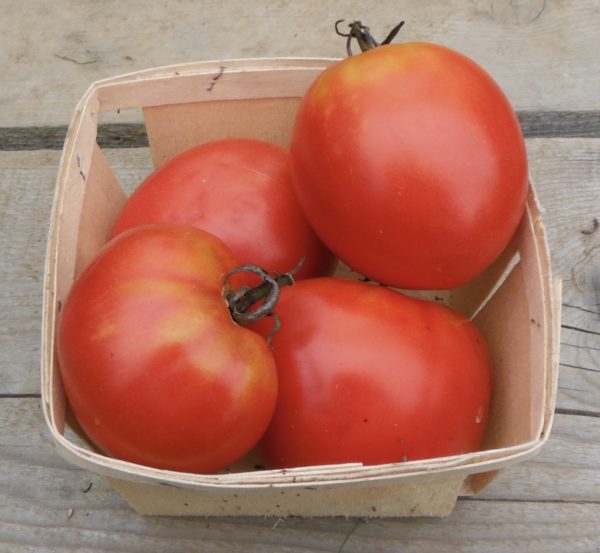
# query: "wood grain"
566, 174
27, 181
540, 51
53, 506
26, 189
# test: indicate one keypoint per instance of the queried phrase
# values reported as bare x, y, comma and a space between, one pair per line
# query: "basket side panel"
371, 499
61, 253
506, 324
473, 296
103, 198
529, 347
90, 197
518, 324
173, 129
72, 187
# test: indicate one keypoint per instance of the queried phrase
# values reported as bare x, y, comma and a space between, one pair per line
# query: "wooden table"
544, 53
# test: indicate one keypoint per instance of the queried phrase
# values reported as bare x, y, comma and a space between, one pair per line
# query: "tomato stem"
267, 292
363, 36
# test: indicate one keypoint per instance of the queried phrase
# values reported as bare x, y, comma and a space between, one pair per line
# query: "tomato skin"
239, 190
369, 375
155, 369
410, 164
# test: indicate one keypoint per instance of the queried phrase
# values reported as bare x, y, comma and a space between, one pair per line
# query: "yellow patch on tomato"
103, 331
184, 326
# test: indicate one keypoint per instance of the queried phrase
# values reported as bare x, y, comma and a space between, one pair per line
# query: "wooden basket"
515, 304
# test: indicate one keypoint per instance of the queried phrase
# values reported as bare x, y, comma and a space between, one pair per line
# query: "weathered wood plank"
565, 470
475, 526
27, 181
26, 189
567, 178
566, 173
541, 52
48, 505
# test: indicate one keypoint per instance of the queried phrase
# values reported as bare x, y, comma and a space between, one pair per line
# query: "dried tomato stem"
363, 36
266, 294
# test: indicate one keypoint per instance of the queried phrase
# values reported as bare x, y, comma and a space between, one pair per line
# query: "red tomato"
239, 190
155, 369
409, 162
369, 375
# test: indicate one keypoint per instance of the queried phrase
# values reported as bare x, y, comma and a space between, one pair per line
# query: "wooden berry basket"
515, 303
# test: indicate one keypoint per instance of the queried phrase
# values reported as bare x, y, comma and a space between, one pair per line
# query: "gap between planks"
535, 124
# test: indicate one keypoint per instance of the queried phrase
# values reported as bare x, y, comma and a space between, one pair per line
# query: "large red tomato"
155, 369
239, 190
410, 164
369, 375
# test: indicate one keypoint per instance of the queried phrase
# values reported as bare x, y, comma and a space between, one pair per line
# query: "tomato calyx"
264, 296
363, 36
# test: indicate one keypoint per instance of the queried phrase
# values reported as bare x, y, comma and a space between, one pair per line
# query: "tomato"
239, 190
367, 374
410, 164
154, 368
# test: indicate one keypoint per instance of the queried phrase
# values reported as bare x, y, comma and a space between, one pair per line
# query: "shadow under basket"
514, 303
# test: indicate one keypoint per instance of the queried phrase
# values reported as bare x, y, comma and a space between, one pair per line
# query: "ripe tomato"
409, 162
239, 190
155, 369
369, 375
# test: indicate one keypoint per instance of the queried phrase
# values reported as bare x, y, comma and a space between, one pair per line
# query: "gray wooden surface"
545, 55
